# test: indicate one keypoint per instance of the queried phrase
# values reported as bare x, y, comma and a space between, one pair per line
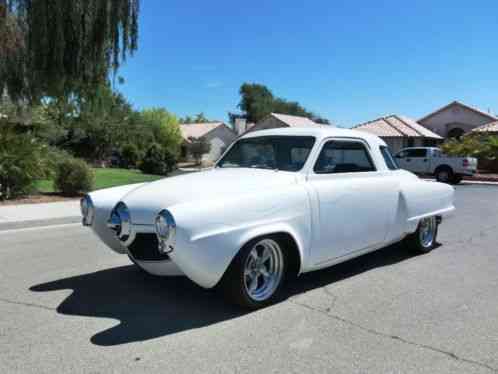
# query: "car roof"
319, 132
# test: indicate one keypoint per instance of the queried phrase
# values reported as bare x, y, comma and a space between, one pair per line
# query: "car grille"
145, 248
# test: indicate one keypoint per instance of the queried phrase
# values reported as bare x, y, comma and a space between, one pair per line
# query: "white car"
431, 161
277, 204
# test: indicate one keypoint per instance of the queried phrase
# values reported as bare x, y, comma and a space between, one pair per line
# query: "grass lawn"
106, 177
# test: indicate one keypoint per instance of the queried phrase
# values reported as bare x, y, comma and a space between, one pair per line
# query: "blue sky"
349, 61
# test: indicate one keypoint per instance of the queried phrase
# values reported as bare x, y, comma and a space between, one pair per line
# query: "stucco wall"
454, 116
394, 144
219, 138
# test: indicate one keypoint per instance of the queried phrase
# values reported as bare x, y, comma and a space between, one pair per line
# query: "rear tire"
444, 175
257, 273
424, 239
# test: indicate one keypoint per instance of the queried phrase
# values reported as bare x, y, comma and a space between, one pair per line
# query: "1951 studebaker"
278, 203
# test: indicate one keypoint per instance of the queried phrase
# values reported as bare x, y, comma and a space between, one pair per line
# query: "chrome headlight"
120, 222
166, 231
87, 210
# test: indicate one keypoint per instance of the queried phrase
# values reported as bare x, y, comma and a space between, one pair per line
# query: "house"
276, 120
399, 132
488, 129
217, 134
455, 119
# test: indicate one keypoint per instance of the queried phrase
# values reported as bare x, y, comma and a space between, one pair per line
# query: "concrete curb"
466, 181
38, 223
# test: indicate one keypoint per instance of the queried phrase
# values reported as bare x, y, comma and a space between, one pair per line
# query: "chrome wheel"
427, 231
263, 269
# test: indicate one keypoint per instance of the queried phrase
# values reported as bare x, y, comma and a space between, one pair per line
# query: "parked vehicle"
431, 161
277, 204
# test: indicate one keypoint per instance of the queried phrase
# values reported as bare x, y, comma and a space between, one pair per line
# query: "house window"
343, 157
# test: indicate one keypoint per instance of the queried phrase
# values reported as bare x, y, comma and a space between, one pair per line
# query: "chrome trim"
120, 222
165, 228
87, 210
263, 270
427, 233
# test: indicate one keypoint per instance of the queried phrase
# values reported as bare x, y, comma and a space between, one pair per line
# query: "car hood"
147, 200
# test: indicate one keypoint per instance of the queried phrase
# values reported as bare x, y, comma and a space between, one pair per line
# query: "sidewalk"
30, 215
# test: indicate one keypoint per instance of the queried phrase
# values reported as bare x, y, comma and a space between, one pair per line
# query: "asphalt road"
67, 304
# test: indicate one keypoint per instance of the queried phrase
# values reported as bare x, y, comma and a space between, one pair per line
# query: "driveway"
69, 304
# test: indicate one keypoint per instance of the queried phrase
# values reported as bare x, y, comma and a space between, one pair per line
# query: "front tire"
424, 239
257, 273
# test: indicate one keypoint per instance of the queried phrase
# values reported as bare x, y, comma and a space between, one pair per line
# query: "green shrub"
483, 147
23, 159
129, 156
73, 176
170, 159
157, 160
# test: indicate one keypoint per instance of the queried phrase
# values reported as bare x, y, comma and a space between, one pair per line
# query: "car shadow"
149, 307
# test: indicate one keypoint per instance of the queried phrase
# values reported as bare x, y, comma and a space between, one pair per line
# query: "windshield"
288, 153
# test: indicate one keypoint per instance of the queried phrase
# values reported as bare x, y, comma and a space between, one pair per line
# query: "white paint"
332, 217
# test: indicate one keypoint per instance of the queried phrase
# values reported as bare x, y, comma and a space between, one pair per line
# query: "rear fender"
421, 199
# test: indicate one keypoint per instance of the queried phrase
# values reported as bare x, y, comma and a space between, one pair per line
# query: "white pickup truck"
431, 161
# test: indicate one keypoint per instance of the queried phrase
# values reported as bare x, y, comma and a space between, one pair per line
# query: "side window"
343, 157
401, 154
388, 158
416, 152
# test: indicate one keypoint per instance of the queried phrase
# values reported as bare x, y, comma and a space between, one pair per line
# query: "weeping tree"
62, 48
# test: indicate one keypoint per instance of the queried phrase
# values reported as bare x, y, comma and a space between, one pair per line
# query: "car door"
414, 160
355, 201
419, 160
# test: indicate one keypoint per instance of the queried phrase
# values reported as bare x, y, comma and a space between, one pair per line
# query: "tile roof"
198, 130
487, 128
472, 109
395, 126
295, 121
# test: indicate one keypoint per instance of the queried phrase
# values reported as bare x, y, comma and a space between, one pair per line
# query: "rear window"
388, 158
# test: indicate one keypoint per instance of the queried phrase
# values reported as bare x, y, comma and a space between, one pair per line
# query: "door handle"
425, 160
408, 159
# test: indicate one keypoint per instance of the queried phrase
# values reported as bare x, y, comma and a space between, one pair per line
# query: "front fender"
104, 201
210, 236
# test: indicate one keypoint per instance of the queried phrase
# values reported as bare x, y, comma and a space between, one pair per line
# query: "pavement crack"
31, 305
395, 337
